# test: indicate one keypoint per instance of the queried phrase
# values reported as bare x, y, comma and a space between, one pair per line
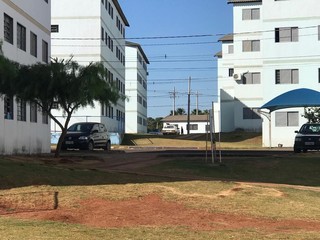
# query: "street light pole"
189, 91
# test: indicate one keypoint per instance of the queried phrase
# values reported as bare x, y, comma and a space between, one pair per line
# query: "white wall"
134, 88
83, 25
300, 55
18, 136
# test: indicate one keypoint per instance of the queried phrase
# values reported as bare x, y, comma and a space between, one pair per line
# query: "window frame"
21, 37
293, 35
249, 46
8, 107
33, 44
21, 110
282, 80
285, 120
8, 28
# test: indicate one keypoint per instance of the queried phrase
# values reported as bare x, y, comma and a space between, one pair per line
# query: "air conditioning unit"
237, 76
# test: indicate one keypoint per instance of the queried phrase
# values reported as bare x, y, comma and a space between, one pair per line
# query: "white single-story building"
198, 123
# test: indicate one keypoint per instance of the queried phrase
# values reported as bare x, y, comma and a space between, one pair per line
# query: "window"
21, 110
251, 14
287, 34
192, 126
251, 45
231, 72
54, 28
230, 49
45, 53
21, 37
102, 33
8, 107
139, 99
287, 119
139, 120
8, 28
33, 44
33, 112
287, 76
252, 78
251, 113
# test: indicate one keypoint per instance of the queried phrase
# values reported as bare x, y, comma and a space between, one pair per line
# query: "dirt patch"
153, 211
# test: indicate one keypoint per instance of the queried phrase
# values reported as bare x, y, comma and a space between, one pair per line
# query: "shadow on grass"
238, 136
284, 168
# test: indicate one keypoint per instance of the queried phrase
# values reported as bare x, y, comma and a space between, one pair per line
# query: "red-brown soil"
154, 211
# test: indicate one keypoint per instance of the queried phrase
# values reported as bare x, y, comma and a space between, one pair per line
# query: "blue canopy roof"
302, 97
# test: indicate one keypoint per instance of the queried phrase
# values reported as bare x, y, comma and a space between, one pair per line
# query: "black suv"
87, 135
307, 138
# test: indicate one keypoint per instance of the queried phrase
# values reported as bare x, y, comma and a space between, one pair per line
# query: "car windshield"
169, 126
310, 128
81, 127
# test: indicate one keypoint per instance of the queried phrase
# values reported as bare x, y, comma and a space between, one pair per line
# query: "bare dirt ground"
150, 210
153, 211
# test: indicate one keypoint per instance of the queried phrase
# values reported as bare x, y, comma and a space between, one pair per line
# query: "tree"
64, 84
154, 124
179, 111
312, 114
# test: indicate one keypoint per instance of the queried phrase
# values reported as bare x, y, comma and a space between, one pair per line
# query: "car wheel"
108, 146
305, 150
90, 146
297, 150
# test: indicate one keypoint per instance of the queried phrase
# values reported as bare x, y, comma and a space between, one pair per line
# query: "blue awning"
302, 97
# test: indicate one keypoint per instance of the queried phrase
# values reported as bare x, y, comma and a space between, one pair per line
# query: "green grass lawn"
226, 196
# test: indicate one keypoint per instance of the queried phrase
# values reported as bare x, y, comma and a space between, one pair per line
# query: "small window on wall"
231, 72
251, 113
230, 49
287, 119
8, 28
21, 110
251, 45
287, 34
33, 112
33, 44
45, 52
251, 14
287, 76
252, 78
8, 108
193, 127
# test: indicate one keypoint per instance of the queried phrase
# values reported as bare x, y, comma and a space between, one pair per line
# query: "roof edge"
137, 45
117, 5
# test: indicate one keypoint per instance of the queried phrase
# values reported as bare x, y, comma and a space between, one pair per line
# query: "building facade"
274, 49
93, 31
136, 89
25, 38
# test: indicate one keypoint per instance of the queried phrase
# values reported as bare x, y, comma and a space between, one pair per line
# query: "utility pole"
173, 95
189, 91
197, 103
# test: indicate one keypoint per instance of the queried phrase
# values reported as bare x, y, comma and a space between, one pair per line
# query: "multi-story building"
92, 31
136, 88
274, 49
25, 38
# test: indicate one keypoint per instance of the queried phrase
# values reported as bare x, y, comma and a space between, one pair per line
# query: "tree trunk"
62, 136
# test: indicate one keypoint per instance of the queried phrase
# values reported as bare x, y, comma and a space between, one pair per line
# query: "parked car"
170, 129
307, 138
87, 135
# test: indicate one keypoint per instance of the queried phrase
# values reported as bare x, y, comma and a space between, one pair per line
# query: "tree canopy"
63, 84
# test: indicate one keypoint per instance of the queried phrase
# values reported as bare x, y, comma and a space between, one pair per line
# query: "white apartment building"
136, 89
25, 37
92, 31
274, 48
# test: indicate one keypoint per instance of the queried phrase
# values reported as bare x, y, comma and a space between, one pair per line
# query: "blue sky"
174, 60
